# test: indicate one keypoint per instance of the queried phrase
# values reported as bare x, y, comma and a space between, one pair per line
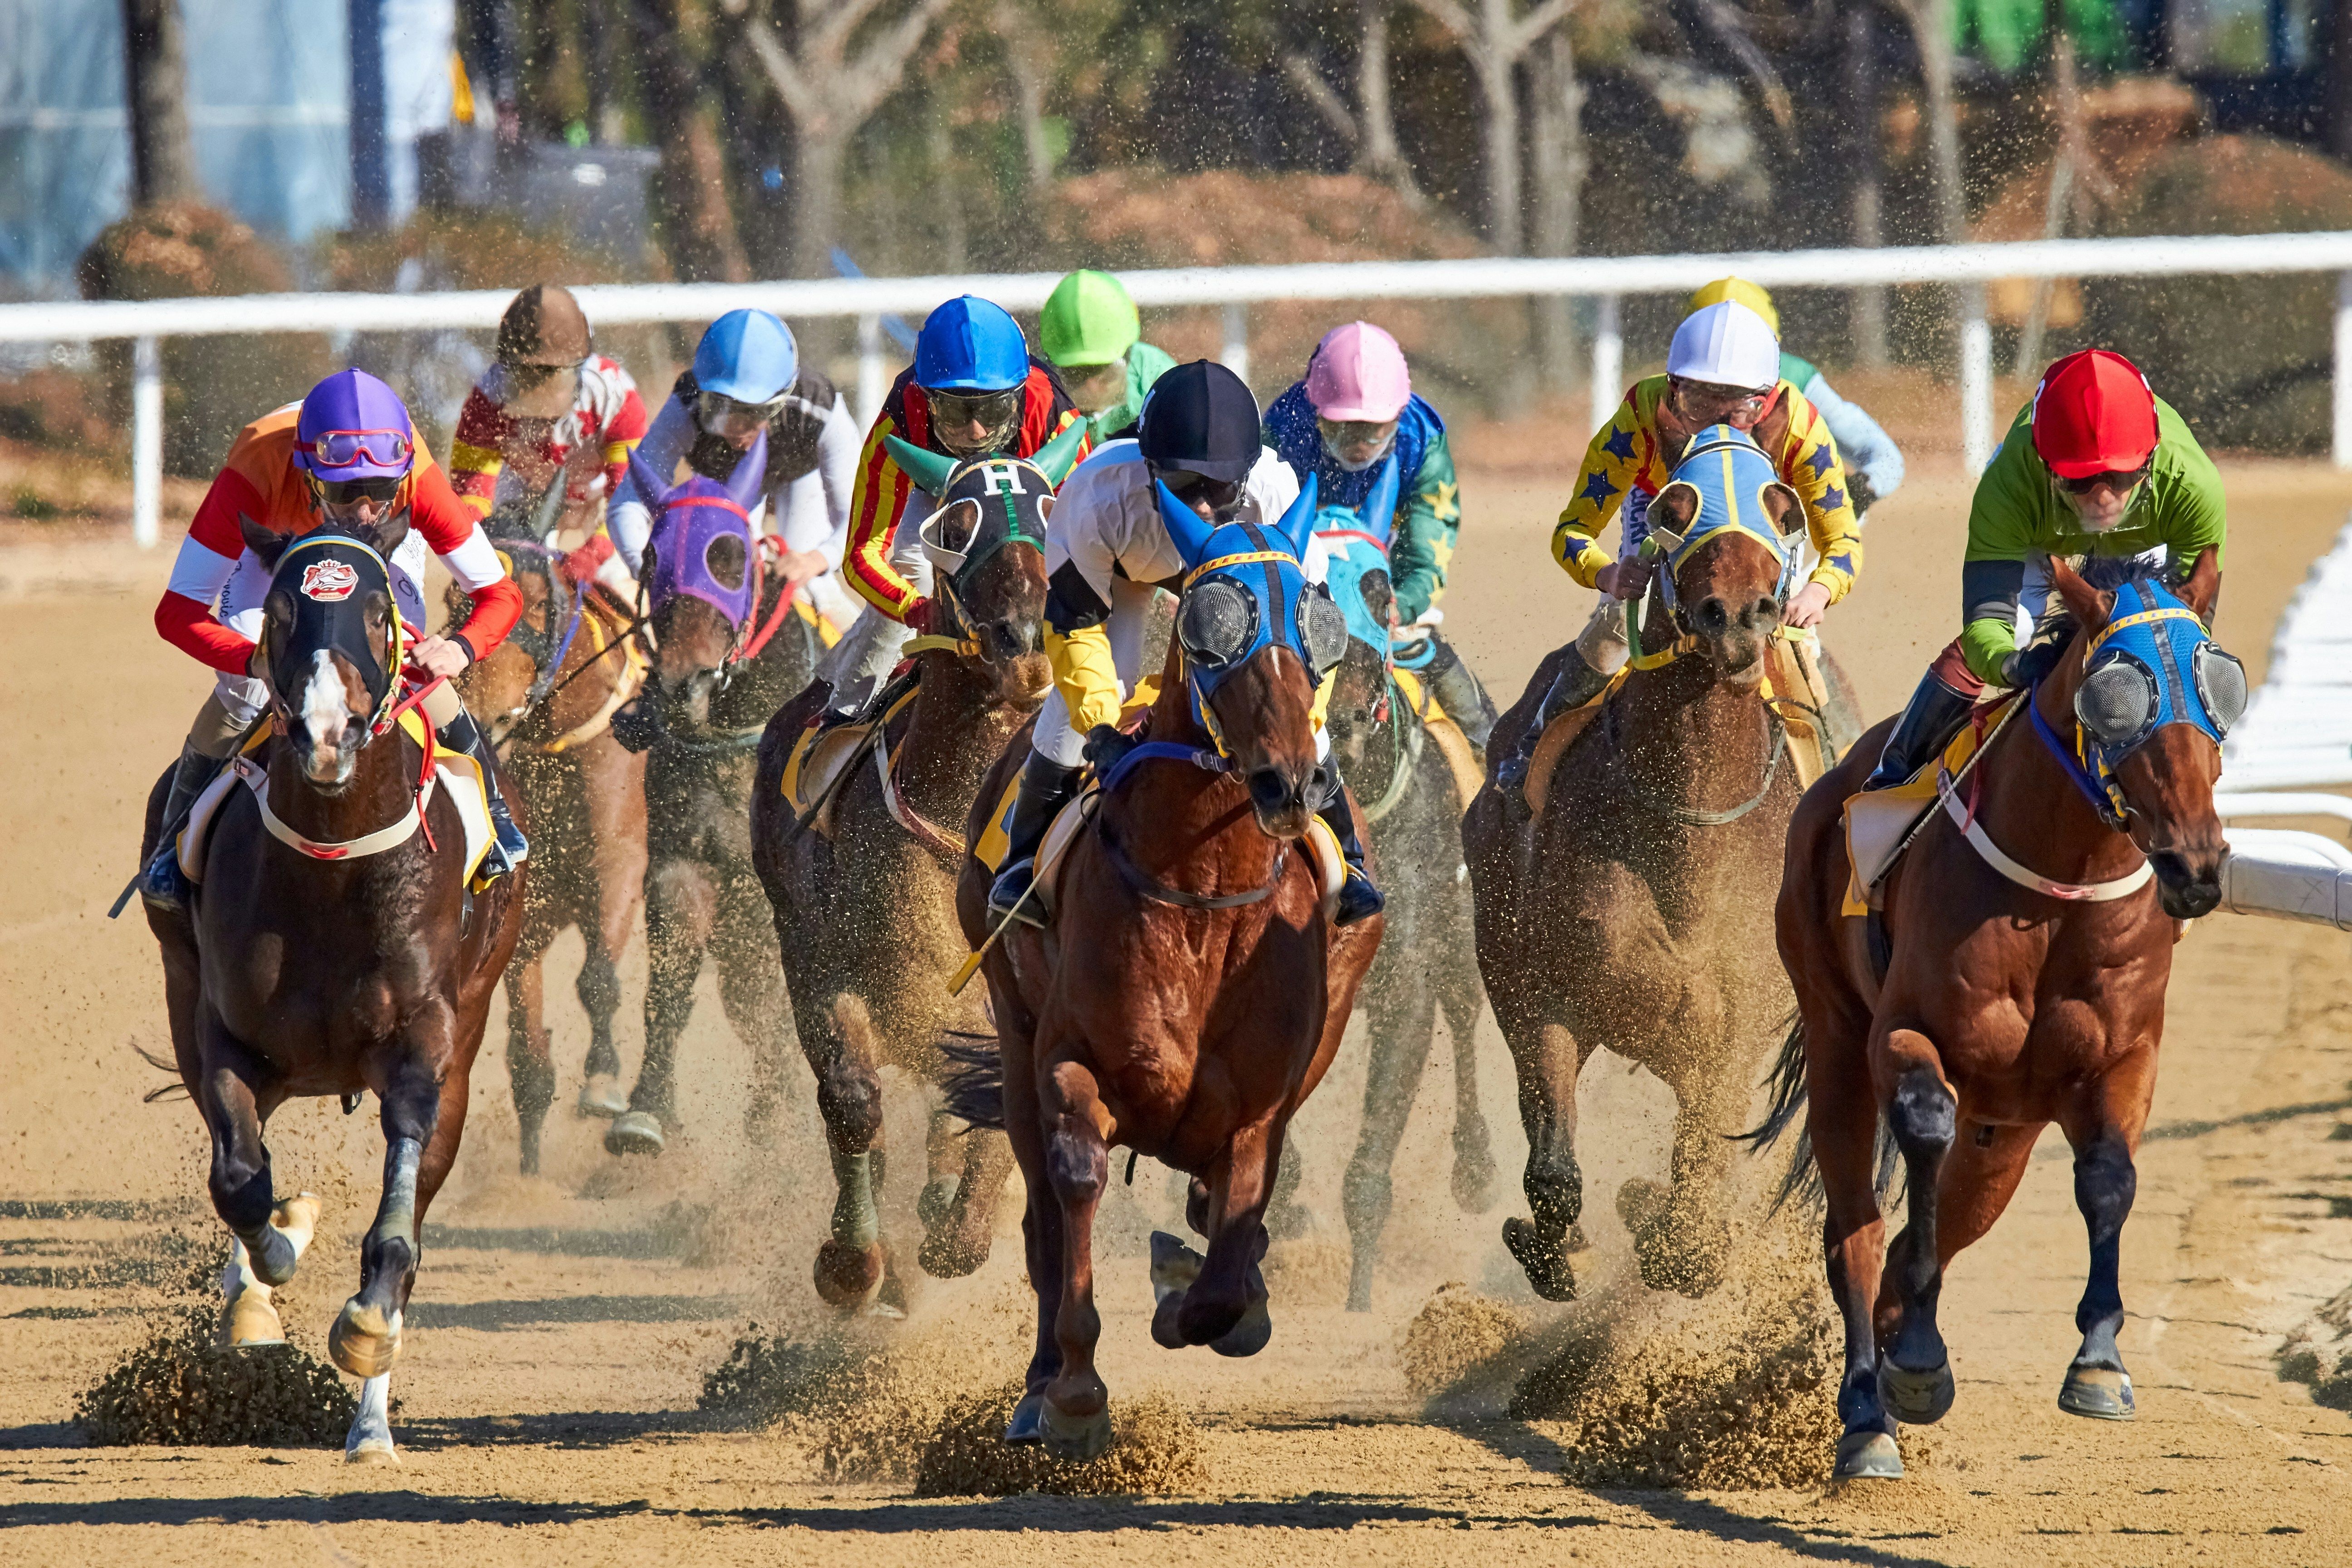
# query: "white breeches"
858, 665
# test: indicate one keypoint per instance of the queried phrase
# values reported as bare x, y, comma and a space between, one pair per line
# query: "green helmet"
1088, 319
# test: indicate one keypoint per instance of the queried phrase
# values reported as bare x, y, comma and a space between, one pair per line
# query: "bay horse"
1629, 911
865, 906
546, 696
1189, 991
1993, 998
334, 946
728, 650
1412, 798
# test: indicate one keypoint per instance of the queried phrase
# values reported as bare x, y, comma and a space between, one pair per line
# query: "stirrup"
1012, 894
162, 882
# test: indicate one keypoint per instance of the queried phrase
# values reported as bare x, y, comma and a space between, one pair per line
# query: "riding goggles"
954, 413
2114, 480
1706, 402
345, 449
1191, 489
381, 487
723, 416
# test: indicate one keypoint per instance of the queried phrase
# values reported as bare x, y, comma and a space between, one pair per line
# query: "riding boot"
162, 883
1458, 692
1577, 684
508, 848
1045, 787
1357, 897
1932, 718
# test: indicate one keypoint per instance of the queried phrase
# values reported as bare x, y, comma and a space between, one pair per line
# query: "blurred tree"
155, 73
1495, 37
1370, 126
692, 194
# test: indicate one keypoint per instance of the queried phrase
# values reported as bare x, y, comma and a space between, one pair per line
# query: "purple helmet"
353, 426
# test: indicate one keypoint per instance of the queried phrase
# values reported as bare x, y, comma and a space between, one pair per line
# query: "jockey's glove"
919, 615
1105, 745
2027, 665
1858, 489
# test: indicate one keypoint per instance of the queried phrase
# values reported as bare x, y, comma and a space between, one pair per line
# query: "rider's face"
1356, 442
2100, 502
1700, 403
1094, 387
541, 391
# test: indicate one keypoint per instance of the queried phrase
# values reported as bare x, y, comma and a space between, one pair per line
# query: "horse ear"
2089, 606
1060, 455
749, 478
1186, 530
652, 486
2203, 589
264, 543
930, 471
1380, 507
1297, 524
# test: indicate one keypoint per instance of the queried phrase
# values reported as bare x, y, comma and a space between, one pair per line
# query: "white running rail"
1603, 278
2297, 732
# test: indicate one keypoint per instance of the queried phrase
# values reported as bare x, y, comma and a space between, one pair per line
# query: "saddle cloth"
454, 772
1452, 744
821, 757
1879, 823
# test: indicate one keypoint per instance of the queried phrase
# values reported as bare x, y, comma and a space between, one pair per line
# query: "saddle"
821, 759
1879, 824
1452, 744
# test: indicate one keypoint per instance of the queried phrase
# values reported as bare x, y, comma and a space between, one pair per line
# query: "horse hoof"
1868, 1456
1473, 1182
1073, 1439
298, 1216
938, 1198
1028, 1423
366, 1341
600, 1095
1921, 1398
1249, 1336
2103, 1393
1544, 1261
373, 1451
848, 1276
635, 1133
248, 1322
945, 1255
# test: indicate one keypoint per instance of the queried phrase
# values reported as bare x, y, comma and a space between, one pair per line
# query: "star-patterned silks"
1441, 504
1822, 458
1620, 446
1833, 499
1598, 490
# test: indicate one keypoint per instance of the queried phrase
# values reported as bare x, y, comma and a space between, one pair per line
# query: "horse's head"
1729, 528
330, 639
986, 542
701, 586
2153, 696
1256, 639
497, 686
1356, 546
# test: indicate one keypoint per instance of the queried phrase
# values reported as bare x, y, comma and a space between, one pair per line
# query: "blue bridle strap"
2092, 789
1163, 751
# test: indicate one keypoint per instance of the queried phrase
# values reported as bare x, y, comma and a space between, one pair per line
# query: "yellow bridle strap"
1242, 560
2142, 619
925, 644
1685, 643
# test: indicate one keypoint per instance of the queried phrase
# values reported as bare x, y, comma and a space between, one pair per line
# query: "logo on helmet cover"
329, 581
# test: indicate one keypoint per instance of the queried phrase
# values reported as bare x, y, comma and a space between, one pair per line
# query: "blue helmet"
748, 355
971, 345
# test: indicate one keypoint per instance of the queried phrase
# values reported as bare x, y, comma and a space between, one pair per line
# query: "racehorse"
1189, 991
334, 945
728, 650
862, 883
1629, 912
1412, 798
1990, 999
546, 696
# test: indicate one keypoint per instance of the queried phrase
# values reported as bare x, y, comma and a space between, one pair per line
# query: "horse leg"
1224, 1305
681, 906
2105, 1135
248, 1316
1914, 1374
530, 1061
599, 990
1474, 1160
613, 782
1402, 1019
365, 1340
1842, 1120
850, 1261
1076, 1408
957, 1243
234, 1101
752, 990
1548, 1060
941, 1169
1681, 1238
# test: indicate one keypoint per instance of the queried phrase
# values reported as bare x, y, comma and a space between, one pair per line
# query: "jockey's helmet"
2094, 414
1088, 319
969, 344
543, 326
1358, 375
1201, 418
353, 426
1751, 295
746, 357
1725, 344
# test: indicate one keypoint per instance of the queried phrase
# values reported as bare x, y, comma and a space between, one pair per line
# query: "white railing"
1601, 279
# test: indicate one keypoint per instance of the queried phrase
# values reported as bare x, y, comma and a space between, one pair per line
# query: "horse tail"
177, 1085
1802, 1179
974, 1080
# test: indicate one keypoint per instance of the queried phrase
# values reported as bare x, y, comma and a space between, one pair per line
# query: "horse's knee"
241, 1190
599, 984
849, 1097
1922, 1115
1077, 1165
2105, 1183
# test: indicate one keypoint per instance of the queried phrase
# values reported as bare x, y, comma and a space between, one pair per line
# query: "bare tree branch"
790, 85
1730, 30
1530, 29
1317, 93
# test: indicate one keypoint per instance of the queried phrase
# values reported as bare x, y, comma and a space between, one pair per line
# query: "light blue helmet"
748, 355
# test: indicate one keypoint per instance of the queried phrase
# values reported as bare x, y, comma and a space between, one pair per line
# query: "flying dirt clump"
857, 1413
1455, 1329
1154, 1450
180, 1388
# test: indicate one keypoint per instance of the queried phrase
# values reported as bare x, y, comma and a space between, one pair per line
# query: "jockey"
1724, 368
1355, 405
974, 388
2095, 465
1874, 464
1092, 335
345, 456
746, 378
1107, 555
548, 396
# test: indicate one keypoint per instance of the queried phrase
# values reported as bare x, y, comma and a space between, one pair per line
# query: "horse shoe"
1921, 1398
2103, 1393
1868, 1456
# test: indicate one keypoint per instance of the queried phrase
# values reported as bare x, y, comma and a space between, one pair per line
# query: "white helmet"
1727, 344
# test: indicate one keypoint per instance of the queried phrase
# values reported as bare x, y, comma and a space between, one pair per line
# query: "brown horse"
1980, 1010
333, 947
1630, 913
865, 906
1185, 998
546, 696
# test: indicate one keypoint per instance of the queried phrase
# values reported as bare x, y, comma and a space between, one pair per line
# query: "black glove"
2028, 665
1859, 491
1105, 745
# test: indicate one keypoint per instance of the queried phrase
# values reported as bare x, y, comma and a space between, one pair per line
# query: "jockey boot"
162, 883
1045, 787
1577, 684
1359, 899
1929, 720
1464, 700
508, 848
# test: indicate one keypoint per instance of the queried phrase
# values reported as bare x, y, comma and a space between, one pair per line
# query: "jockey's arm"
813, 512
622, 434
878, 500
1809, 464
1869, 453
1078, 566
1421, 545
454, 534
475, 458
183, 616
628, 520
1612, 463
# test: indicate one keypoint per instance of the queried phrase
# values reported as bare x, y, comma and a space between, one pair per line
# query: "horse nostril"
1269, 790
1766, 611
1319, 787
1713, 615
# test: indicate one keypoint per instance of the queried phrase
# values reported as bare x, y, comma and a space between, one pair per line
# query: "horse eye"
2221, 685
1323, 627
724, 558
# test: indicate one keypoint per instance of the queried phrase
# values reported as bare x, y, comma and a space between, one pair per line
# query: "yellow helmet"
1742, 292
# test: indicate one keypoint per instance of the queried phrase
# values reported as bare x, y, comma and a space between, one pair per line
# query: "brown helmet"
543, 326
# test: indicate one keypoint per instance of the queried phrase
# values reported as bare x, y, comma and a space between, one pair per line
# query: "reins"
1141, 881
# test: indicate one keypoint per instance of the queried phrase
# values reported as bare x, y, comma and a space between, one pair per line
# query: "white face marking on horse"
326, 709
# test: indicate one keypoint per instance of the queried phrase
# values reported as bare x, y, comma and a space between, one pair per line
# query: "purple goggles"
348, 449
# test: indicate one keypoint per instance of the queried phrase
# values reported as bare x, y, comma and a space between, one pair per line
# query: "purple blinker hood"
690, 518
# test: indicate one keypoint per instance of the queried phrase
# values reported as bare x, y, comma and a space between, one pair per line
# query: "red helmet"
2094, 414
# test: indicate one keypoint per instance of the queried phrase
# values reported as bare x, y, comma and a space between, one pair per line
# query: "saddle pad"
1452, 744
1877, 821
821, 756
1555, 740
1330, 865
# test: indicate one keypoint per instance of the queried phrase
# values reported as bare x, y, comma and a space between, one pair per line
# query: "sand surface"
563, 1326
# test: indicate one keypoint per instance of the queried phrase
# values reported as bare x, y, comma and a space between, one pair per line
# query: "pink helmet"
1358, 373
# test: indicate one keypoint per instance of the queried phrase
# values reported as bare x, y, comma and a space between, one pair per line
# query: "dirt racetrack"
563, 1326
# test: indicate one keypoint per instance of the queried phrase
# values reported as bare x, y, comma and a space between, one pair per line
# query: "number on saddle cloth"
1725, 475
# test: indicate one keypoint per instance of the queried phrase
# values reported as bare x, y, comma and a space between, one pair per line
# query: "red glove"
918, 617
581, 565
